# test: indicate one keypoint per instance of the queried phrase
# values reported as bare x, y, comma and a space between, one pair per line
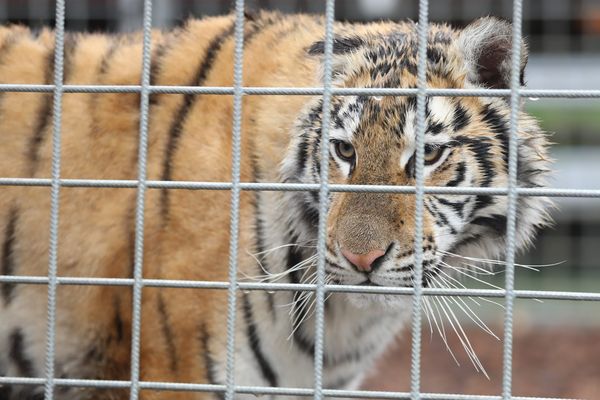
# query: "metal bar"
235, 197
192, 284
258, 390
323, 201
138, 262
266, 186
512, 191
511, 214
59, 44
302, 91
417, 281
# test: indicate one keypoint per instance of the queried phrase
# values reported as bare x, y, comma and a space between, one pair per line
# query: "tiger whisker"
462, 286
460, 333
275, 276
468, 311
440, 326
283, 246
426, 309
301, 296
471, 276
307, 310
477, 269
533, 267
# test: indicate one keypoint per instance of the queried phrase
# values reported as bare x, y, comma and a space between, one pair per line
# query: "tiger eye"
432, 154
345, 151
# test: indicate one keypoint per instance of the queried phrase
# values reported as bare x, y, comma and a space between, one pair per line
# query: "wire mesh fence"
142, 185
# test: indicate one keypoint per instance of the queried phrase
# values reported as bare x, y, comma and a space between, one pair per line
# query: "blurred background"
557, 343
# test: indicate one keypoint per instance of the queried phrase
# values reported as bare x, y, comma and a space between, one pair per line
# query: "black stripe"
481, 202
43, 116
8, 260
302, 153
435, 55
175, 130
251, 332
159, 54
461, 169
480, 147
435, 128
103, 67
258, 228
461, 118
498, 125
341, 45
155, 66
107, 58
17, 355
118, 320
440, 218
495, 222
305, 344
199, 78
70, 47
167, 333
294, 258
464, 242
209, 363
260, 247
458, 207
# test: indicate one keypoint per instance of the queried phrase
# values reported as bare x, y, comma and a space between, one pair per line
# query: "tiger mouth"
369, 282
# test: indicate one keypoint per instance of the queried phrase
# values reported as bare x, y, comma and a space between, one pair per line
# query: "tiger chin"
370, 236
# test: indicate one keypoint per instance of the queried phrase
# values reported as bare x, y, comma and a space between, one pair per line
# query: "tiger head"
371, 236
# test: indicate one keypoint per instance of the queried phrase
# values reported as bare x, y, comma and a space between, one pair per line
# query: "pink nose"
363, 262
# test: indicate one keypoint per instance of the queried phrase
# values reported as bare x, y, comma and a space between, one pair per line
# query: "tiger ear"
487, 46
343, 47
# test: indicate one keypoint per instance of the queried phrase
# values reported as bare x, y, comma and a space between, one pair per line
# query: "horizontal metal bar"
303, 91
295, 187
255, 390
274, 286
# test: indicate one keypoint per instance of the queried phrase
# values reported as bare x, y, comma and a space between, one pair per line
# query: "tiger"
370, 236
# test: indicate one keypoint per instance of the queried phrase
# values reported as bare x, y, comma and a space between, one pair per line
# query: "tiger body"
186, 232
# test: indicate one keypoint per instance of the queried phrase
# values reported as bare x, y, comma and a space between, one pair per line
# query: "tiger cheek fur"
370, 236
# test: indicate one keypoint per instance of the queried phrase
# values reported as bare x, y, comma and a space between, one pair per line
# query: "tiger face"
372, 141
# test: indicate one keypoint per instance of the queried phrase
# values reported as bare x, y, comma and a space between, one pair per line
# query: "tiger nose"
363, 262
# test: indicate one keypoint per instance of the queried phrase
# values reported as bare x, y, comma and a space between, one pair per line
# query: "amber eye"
432, 154
344, 150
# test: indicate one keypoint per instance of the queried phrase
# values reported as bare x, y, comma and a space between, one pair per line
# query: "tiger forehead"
391, 60
394, 117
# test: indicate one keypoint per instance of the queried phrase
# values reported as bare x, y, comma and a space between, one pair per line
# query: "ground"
547, 362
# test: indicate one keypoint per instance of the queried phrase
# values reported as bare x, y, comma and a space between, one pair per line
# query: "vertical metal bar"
512, 197
59, 44
415, 371
140, 204
323, 200
238, 80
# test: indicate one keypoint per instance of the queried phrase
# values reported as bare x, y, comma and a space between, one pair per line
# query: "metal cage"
512, 191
